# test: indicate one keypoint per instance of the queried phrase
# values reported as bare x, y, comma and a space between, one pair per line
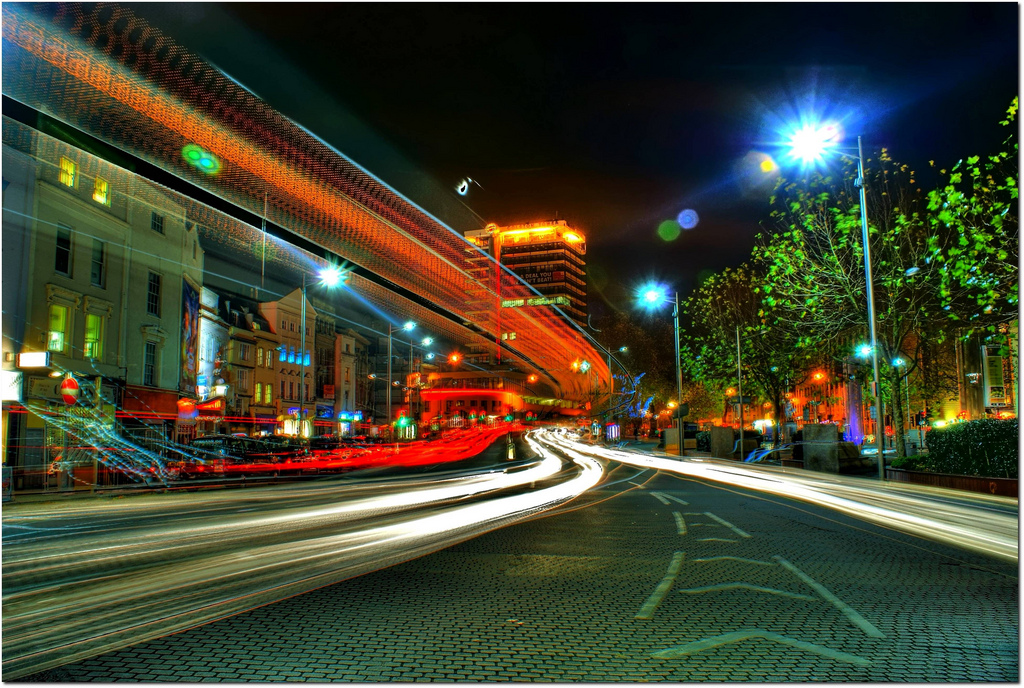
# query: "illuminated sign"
536, 301
11, 386
34, 359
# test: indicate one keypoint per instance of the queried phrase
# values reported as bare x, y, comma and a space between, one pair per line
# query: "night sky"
614, 116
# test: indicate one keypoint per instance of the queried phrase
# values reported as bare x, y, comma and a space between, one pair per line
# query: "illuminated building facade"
101, 273
546, 255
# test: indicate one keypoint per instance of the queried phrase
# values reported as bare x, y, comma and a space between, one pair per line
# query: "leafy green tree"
771, 354
814, 274
976, 235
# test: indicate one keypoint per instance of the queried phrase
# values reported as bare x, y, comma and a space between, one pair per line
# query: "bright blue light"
653, 295
898, 362
409, 326
864, 350
809, 143
331, 276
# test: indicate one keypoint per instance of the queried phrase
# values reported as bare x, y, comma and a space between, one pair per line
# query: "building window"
153, 295
347, 377
99, 259
68, 173
245, 352
283, 388
62, 259
258, 394
270, 360
268, 395
259, 356
57, 338
101, 191
93, 335
347, 348
149, 365
156, 222
243, 381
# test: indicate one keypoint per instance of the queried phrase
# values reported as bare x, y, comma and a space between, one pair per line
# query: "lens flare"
669, 230
688, 219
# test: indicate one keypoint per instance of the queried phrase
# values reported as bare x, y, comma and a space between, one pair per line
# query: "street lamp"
409, 326
899, 362
651, 297
330, 276
809, 144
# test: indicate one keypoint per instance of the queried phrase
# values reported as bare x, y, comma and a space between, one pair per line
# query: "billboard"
189, 338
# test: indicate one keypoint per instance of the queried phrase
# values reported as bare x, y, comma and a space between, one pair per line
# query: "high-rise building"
546, 255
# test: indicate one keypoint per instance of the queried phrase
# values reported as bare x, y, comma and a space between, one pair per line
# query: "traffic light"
921, 418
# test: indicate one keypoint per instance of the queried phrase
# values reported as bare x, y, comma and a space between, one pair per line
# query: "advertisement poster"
189, 337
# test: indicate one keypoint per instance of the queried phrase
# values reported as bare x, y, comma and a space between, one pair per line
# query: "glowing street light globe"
332, 276
409, 326
427, 341
809, 143
652, 296
864, 350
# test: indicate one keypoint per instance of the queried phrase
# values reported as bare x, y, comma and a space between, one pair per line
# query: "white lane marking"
850, 613
715, 540
747, 586
647, 611
748, 561
680, 523
737, 636
727, 525
674, 499
657, 495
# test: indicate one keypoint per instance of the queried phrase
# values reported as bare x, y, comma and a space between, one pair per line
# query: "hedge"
986, 447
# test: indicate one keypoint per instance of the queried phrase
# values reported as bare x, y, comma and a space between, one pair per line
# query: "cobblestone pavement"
650, 577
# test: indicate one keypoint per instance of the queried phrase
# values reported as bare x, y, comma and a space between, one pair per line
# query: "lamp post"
329, 277
810, 144
652, 297
408, 327
898, 363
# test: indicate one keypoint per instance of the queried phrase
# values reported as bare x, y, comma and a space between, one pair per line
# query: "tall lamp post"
329, 277
652, 297
809, 144
408, 327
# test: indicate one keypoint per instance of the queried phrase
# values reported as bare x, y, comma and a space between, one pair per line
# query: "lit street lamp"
330, 276
408, 327
809, 145
652, 297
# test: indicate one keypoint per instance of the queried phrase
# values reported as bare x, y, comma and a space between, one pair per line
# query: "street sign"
69, 391
736, 400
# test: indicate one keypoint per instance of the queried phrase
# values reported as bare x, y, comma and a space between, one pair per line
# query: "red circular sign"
69, 390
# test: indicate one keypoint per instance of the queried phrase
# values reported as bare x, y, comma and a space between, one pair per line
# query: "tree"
771, 353
976, 235
814, 274
941, 261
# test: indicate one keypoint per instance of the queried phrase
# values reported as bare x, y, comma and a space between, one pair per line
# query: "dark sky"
614, 116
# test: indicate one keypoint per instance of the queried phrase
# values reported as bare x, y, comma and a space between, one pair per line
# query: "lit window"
62, 258
258, 394
153, 295
101, 191
259, 358
156, 223
268, 394
93, 335
68, 173
56, 339
98, 273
